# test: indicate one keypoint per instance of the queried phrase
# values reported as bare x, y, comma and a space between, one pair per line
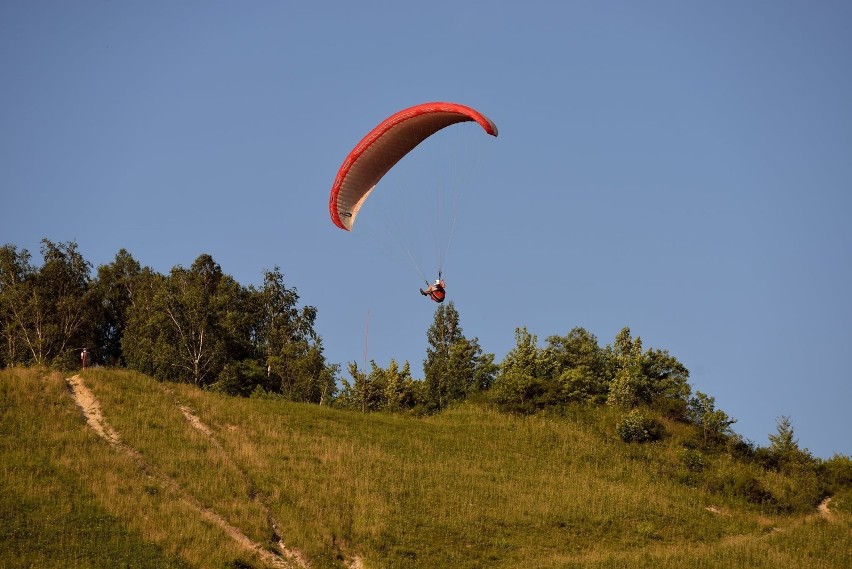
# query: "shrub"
736, 481
637, 427
240, 378
671, 408
581, 385
622, 390
692, 459
842, 502
517, 392
838, 472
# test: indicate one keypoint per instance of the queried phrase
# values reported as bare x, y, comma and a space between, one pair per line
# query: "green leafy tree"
526, 380
454, 366
180, 330
308, 378
392, 389
581, 365
783, 443
653, 377
350, 395
484, 370
471, 369
17, 276
199, 325
805, 480
838, 473
526, 358
47, 312
113, 291
666, 376
629, 383
366, 392
784, 450
626, 349
245, 378
146, 343
402, 392
194, 300
713, 424
666, 384
578, 348
64, 281
286, 339
623, 391
581, 385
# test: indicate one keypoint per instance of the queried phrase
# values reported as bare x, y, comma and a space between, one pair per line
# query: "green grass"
51, 516
468, 488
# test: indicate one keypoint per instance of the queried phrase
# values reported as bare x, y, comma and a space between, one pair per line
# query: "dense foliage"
575, 369
196, 325
455, 368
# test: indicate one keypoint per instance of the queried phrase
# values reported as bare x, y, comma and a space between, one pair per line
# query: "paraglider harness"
435, 291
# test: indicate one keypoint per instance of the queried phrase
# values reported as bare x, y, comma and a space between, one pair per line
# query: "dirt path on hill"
353, 562
85, 399
91, 410
824, 511
291, 554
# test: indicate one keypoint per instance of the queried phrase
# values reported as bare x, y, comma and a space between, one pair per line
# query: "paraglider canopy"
386, 145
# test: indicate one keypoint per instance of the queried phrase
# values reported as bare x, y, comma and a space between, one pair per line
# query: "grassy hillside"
186, 478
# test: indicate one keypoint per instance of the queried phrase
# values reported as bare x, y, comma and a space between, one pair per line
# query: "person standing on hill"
84, 358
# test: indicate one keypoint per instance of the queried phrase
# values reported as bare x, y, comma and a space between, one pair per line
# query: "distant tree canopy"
714, 423
45, 313
455, 368
195, 325
575, 369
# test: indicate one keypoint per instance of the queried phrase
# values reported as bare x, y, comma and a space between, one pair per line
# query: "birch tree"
46, 311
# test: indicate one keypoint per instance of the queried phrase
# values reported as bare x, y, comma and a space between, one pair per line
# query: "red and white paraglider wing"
386, 145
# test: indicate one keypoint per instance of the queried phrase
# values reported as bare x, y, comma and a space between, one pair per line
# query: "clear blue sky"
681, 168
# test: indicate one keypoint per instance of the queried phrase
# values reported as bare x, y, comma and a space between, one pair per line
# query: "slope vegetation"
111, 468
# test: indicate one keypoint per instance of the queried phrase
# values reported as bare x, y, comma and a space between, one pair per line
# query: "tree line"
199, 325
196, 325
